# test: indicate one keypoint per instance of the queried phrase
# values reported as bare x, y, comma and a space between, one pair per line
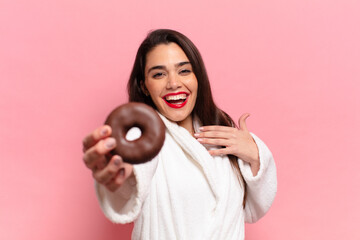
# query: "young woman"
209, 176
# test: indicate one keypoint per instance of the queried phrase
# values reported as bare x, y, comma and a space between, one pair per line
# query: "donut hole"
133, 134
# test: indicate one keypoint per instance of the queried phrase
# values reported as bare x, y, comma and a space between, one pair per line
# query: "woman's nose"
173, 82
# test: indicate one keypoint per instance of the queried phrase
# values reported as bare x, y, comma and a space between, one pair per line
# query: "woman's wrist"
255, 160
255, 167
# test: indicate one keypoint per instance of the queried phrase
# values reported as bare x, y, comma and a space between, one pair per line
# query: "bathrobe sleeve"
124, 205
261, 189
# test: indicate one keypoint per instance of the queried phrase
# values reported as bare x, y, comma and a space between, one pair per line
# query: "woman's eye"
158, 75
185, 71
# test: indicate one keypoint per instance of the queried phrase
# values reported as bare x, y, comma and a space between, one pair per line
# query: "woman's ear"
143, 88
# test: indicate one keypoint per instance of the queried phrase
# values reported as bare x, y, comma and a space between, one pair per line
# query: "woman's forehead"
166, 54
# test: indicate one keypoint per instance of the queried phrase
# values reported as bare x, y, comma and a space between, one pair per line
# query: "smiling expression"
171, 82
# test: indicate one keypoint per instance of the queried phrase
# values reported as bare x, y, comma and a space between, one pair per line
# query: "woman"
209, 175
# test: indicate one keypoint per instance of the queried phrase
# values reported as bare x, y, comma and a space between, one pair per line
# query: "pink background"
294, 65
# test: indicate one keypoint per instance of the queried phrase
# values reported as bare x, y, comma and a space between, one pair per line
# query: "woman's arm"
121, 187
124, 204
261, 188
255, 160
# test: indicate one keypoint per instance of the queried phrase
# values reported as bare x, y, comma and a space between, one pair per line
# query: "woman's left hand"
238, 142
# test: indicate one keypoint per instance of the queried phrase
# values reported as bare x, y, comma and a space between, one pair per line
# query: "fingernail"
201, 128
117, 162
200, 139
103, 132
196, 134
122, 172
110, 143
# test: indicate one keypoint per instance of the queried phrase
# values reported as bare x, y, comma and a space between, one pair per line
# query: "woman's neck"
187, 123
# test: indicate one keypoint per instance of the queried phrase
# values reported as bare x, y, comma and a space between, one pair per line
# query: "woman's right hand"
95, 146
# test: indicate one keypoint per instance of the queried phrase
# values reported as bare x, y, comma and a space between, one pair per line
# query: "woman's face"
171, 82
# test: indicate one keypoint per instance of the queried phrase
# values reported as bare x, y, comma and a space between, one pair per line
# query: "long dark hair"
205, 108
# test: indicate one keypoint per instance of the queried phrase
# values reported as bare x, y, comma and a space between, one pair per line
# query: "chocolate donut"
140, 115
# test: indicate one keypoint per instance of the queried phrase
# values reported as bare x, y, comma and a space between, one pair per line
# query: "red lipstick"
176, 105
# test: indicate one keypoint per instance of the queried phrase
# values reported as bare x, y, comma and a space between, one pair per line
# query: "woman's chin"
178, 118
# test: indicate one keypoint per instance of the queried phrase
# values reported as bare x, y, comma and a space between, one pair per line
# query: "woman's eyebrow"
156, 67
181, 64
161, 67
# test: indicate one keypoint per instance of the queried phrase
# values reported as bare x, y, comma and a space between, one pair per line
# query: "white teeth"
176, 97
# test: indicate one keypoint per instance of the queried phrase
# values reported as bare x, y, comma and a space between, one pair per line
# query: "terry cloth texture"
185, 193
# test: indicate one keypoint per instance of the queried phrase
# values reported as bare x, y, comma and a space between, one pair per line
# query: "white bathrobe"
185, 193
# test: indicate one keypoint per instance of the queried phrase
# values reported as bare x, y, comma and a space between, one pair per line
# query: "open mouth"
176, 100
